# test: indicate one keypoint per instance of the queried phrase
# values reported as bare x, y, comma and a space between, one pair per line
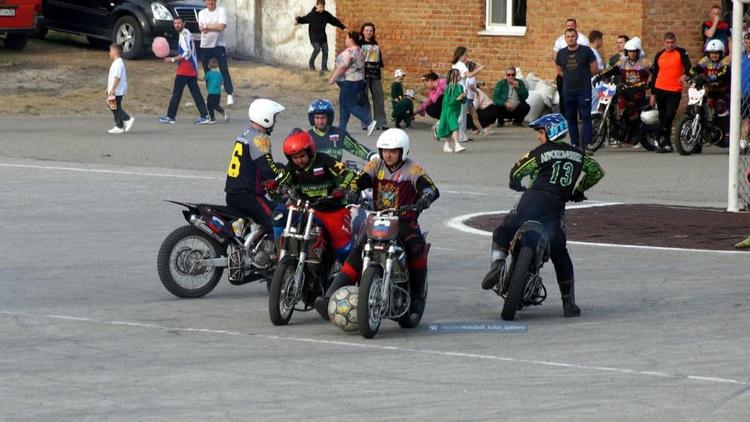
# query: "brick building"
421, 35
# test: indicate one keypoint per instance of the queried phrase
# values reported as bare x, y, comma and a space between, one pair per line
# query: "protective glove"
338, 194
516, 186
424, 202
596, 80
372, 155
271, 185
578, 196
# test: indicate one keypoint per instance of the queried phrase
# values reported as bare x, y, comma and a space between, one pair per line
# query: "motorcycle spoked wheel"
687, 141
281, 298
370, 310
517, 285
178, 262
600, 134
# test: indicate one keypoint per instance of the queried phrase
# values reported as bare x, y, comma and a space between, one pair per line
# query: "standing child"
453, 101
213, 87
471, 95
117, 87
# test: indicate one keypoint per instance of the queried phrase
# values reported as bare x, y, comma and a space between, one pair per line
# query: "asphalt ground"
87, 332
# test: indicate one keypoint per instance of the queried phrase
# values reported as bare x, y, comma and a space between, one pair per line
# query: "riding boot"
497, 258
568, 293
321, 303
418, 286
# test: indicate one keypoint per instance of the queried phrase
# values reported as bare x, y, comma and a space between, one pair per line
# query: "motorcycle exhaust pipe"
201, 225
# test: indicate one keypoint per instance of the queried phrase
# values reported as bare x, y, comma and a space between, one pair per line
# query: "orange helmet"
297, 141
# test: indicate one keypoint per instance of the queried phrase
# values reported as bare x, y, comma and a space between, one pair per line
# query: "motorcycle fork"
299, 272
385, 290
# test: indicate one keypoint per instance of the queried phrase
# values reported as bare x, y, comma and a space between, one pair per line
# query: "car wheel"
128, 33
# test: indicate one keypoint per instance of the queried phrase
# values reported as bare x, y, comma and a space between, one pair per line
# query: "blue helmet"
554, 124
320, 106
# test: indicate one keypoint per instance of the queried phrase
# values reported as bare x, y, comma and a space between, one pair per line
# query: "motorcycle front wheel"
180, 262
518, 279
370, 311
282, 297
600, 126
688, 140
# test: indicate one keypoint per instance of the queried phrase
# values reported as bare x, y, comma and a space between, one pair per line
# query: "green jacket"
500, 94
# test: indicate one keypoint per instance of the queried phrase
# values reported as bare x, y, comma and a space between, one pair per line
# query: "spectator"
596, 39
716, 28
671, 67
403, 109
433, 104
471, 95
317, 20
453, 104
212, 22
621, 40
213, 89
576, 64
486, 111
560, 43
373, 75
349, 76
397, 87
460, 58
187, 74
117, 87
745, 103
510, 96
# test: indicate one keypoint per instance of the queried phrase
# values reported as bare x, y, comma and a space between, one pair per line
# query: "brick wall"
421, 35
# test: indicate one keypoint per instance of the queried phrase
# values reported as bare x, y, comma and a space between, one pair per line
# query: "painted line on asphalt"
458, 223
373, 346
172, 175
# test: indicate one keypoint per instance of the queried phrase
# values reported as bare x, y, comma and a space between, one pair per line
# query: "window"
505, 17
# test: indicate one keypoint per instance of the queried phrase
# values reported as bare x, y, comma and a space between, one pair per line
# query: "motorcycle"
698, 127
192, 258
520, 282
306, 263
606, 121
384, 286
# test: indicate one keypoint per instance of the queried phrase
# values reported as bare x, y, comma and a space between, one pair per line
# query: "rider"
713, 70
330, 139
634, 73
317, 175
396, 181
554, 167
251, 164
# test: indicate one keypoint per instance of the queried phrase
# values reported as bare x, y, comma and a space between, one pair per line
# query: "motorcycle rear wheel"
369, 313
280, 304
518, 279
178, 267
687, 142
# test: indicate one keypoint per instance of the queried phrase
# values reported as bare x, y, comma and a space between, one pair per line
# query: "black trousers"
220, 54
120, 114
667, 103
254, 206
559, 83
179, 86
433, 110
487, 116
319, 46
549, 210
212, 102
516, 114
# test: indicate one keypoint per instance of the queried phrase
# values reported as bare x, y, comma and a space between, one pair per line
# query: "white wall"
278, 39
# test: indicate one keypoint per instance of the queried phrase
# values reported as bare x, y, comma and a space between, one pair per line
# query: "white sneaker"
226, 116
116, 130
230, 100
637, 146
129, 123
371, 127
459, 148
447, 147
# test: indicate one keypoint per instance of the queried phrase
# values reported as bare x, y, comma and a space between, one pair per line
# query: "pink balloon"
747, 174
160, 47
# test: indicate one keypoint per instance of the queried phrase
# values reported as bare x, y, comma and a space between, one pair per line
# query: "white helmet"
394, 138
633, 44
715, 46
650, 117
263, 112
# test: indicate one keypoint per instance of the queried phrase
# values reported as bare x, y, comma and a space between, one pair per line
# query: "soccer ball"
342, 308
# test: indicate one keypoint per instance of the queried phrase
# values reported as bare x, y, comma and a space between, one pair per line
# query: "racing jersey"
395, 188
251, 163
554, 167
334, 141
716, 74
316, 180
633, 74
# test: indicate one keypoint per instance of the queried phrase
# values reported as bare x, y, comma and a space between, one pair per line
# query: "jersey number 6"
234, 163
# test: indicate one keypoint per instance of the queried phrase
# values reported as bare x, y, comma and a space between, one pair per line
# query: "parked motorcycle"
606, 121
384, 290
306, 263
520, 282
698, 127
192, 258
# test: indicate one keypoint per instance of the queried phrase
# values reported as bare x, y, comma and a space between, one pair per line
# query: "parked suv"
132, 23
18, 20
